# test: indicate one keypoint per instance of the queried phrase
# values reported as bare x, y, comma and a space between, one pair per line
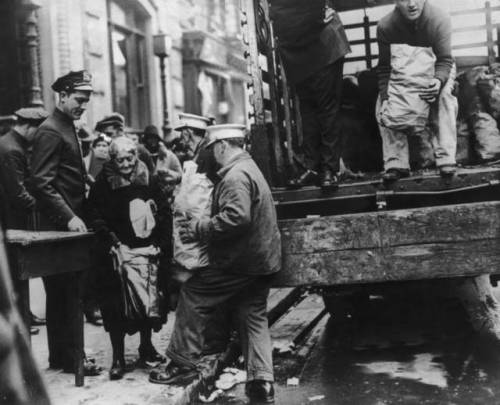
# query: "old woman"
122, 205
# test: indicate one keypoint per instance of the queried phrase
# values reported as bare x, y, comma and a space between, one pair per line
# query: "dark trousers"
320, 98
246, 297
60, 335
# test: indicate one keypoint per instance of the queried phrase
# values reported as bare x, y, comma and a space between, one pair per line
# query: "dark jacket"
306, 44
58, 173
243, 233
14, 172
108, 208
432, 29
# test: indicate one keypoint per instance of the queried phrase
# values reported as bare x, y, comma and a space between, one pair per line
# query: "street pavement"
399, 350
133, 389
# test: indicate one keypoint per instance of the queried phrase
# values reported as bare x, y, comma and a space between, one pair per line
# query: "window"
127, 25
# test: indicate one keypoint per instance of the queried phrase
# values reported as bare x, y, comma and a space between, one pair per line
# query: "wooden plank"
25, 237
402, 263
280, 300
431, 242
45, 259
462, 222
289, 329
250, 27
335, 233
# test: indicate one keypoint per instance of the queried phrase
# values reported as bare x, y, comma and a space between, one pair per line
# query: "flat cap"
32, 113
115, 119
193, 121
217, 133
151, 130
80, 80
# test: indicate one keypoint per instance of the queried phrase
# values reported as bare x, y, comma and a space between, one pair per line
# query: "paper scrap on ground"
230, 377
316, 398
292, 382
212, 397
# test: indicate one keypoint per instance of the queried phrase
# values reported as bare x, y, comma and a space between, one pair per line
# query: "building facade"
205, 72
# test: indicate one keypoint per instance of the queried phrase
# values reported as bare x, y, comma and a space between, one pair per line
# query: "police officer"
58, 177
14, 169
14, 173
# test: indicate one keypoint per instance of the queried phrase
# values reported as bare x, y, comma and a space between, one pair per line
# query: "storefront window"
127, 24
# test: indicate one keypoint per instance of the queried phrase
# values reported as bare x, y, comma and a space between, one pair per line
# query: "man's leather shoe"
94, 317
117, 371
308, 178
395, 174
36, 321
260, 391
34, 331
173, 374
447, 170
329, 181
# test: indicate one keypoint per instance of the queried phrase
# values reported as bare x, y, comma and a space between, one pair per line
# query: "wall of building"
75, 35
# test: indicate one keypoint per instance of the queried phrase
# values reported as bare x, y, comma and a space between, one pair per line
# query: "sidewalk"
133, 389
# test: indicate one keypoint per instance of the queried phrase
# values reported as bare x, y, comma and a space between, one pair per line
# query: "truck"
368, 235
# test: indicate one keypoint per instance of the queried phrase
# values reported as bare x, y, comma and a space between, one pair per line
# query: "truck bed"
422, 227
422, 189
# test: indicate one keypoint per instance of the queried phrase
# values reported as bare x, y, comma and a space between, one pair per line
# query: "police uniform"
58, 178
14, 171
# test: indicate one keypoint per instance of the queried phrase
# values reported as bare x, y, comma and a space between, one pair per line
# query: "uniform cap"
193, 121
217, 133
115, 119
80, 80
32, 113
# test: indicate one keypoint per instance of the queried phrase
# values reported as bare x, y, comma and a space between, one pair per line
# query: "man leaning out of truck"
419, 24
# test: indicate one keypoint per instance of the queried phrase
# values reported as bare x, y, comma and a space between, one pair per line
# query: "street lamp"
162, 46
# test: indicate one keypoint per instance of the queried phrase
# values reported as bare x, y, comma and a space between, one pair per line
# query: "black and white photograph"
249, 202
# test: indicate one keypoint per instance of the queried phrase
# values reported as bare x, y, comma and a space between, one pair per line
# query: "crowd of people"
122, 185
56, 176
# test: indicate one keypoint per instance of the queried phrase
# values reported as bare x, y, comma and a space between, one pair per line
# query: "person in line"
14, 173
126, 182
193, 129
99, 154
58, 179
14, 167
419, 24
245, 252
113, 126
312, 45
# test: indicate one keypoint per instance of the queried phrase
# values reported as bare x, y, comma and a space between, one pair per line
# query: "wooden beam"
424, 243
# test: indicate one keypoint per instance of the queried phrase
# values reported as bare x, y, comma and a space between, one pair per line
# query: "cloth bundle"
412, 71
194, 201
138, 270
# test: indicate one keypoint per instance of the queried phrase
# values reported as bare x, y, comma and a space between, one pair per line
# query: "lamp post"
31, 43
162, 46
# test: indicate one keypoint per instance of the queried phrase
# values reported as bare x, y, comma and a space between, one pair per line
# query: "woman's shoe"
116, 371
149, 356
